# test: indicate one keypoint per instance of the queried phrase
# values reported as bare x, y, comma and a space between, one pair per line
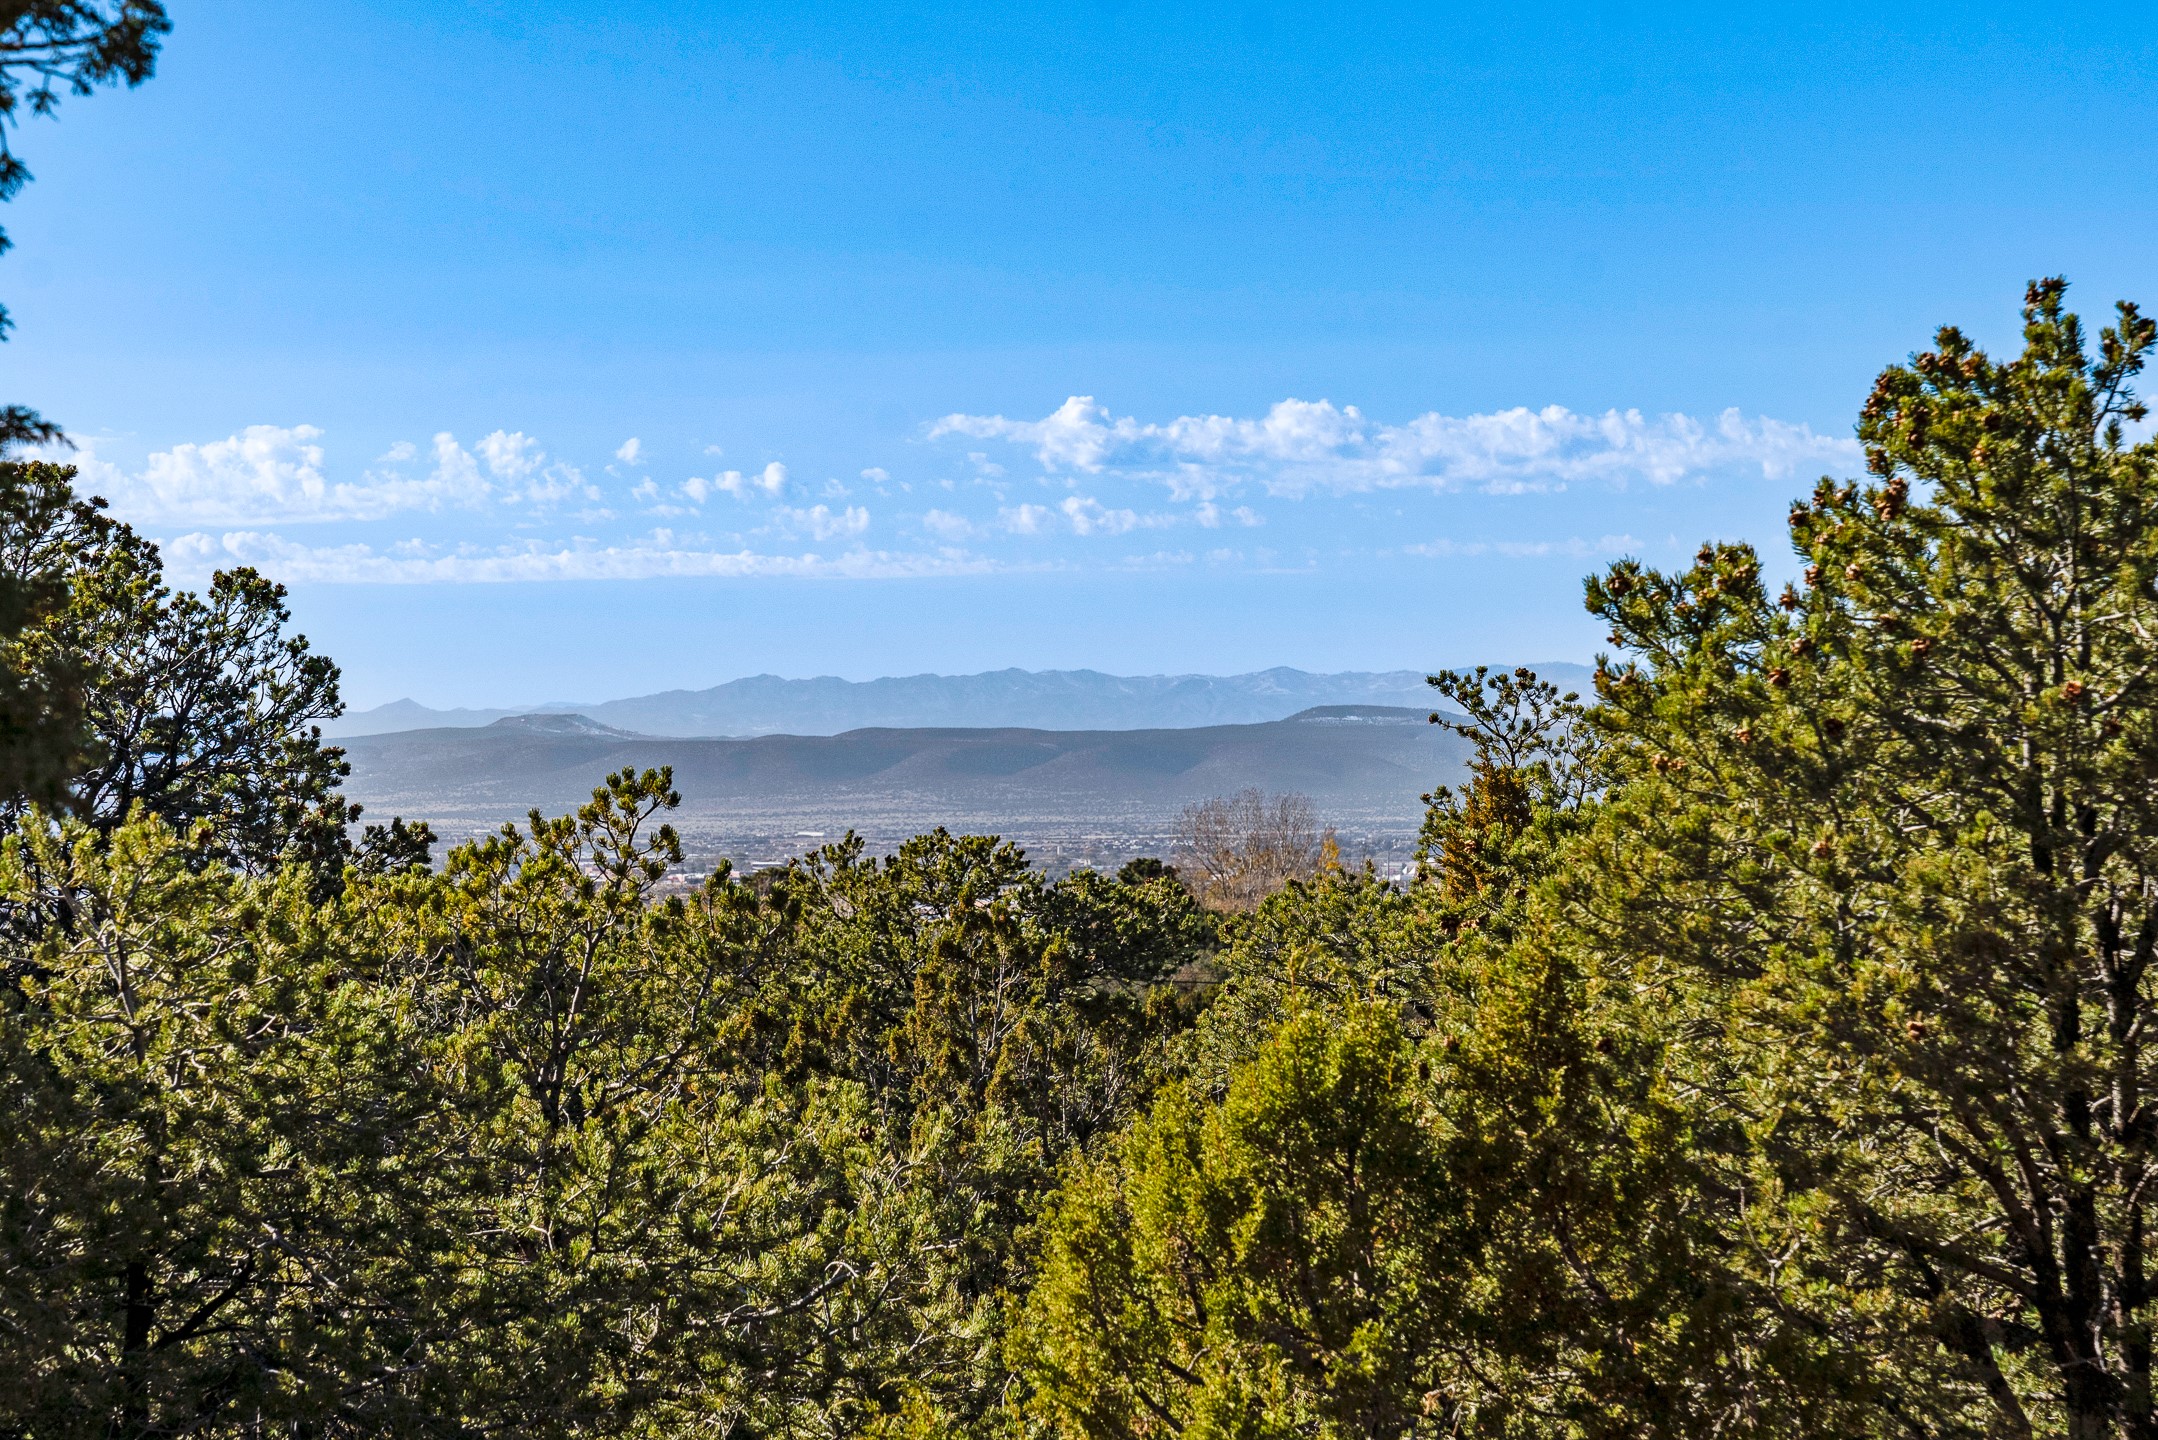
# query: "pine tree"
1898, 834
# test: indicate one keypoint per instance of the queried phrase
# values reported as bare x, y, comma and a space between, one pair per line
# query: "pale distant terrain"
1037, 699
1073, 796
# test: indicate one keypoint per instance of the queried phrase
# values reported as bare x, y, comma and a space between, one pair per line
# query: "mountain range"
1360, 764
1077, 700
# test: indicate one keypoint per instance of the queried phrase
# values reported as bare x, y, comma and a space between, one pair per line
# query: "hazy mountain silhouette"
1356, 762
1033, 699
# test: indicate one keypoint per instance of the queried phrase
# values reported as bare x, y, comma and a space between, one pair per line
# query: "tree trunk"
140, 1314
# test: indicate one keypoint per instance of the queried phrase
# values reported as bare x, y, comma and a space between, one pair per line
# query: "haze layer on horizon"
546, 353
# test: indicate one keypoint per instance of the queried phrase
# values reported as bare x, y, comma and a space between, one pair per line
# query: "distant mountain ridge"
1368, 764
996, 699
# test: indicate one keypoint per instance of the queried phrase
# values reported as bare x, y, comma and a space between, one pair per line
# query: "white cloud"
510, 455
1077, 435
1089, 516
1082, 515
276, 474
662, 553
266, 472
456, 470
528, 476
229, 499
1299, 446
821, 522
1026, 519
770, 481
1573, 548
1213, 517
266, 467
948, 525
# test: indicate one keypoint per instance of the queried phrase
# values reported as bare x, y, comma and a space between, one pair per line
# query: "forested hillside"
1760, 1051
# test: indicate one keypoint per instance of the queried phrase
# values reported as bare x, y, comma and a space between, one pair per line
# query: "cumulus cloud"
944, 523
510, 455
1213, 517
276, 473
1089, 516
456, 470
241, 499
1081, 515
661, 553
266, 472
770, 482
821, 522
1026, 519
1300, 446
698, 488
264, 468
525, 474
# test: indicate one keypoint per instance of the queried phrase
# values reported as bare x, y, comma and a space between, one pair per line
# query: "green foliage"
202, 707
1264, 1267
1759, 1052
1498, 1233
996, 1022
1556, 1254
395, 848
499, 1147
78, 45
42, 725
1536, 764
635, 1236
1343, 939
1521, 724
1901, 827
198, 1175
194, 707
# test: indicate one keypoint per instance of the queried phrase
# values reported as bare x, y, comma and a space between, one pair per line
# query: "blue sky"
548, 354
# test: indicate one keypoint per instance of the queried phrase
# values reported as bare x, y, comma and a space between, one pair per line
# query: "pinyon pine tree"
1896, 835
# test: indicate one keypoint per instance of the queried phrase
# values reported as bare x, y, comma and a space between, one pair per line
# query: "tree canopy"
1758, 1050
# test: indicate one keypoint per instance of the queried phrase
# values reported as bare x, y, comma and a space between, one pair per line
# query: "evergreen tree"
204, 1119
43, 732
1541, 1243
1895, 834
193, 707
